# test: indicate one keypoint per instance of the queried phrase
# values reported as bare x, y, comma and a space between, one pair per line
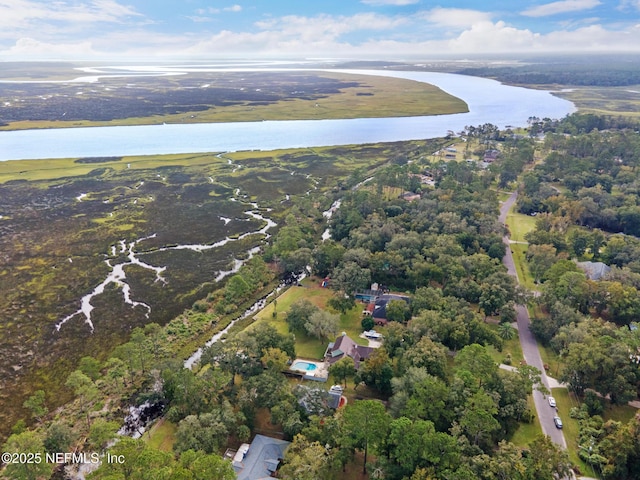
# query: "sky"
313, 29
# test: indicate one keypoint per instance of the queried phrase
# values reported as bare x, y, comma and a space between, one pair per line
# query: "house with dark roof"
379, 312
594, 270
259, 460
344, 345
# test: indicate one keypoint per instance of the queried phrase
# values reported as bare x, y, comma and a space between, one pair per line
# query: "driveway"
529, 344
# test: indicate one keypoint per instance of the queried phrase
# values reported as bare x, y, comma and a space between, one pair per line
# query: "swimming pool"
303, 366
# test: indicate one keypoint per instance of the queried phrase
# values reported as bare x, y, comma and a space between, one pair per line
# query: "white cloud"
624, 4
364, 35
29, 48
455, 17
327, 27
233, 8
389, 2
199, 19
563, 6
23, 13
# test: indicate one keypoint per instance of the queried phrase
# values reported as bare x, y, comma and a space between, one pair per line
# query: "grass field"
162, 435
306, 345
519, 225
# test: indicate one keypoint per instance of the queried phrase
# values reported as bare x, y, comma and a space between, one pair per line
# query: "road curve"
528, 342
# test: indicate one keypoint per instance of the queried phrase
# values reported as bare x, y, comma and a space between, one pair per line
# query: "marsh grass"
55, 246
357, 96
618, 101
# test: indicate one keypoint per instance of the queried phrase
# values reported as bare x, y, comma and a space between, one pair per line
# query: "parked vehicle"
557, 421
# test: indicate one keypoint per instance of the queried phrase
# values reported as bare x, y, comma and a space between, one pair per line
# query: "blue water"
489, 102
300, 365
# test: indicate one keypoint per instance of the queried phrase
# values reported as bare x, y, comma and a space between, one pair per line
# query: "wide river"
489, 102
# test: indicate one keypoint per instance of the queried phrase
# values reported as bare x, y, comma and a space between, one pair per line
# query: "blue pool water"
303, 366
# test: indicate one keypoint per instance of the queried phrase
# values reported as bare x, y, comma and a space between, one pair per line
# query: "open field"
219, 97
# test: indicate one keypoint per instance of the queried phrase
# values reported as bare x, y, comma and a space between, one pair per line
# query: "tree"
144, 461
58, 438
477, 361
102, 432
350, 277
36, 404
579, 241
322, 324
207, 467
205, 432
236, 288
275, 359
477, 418
545, 460
429, 355
506, 331
116, 370
85, 391
365, 425
367, 323
492, 298
27, 442
342, 369
90, 367
305, 460
398, 311
341, 303
325, 257
540, 259
377, 371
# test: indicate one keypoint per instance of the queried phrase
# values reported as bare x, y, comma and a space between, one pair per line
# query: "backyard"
306, 345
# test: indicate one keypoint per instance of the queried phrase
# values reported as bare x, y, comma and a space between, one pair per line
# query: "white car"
552, 401
373, 335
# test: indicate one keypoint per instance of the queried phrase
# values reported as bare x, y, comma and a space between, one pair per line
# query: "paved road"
529, 344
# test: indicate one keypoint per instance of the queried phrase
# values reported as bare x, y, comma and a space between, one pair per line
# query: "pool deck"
321, 372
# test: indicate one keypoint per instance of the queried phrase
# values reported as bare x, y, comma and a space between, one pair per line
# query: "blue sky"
385, 29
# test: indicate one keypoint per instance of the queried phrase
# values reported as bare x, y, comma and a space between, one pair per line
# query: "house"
491, 156
345, 346
379, 312
410, 196
594, 270
259, 460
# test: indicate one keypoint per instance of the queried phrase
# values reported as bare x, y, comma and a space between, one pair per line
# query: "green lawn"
565, 401
162, 435
510, 346
520, 224
551, 358
306, 345
527, 432
522, 268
